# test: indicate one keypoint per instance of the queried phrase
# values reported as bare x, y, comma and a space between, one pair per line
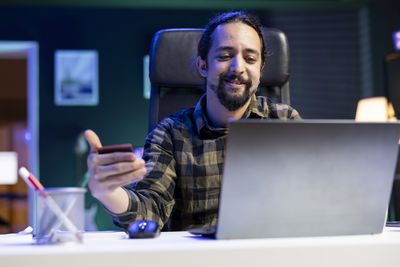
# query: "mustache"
232, 76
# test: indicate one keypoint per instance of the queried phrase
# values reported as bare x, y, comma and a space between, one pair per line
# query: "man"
177, 183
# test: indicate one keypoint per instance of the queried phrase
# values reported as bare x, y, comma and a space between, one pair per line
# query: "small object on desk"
207, 231
27, 231
143, 229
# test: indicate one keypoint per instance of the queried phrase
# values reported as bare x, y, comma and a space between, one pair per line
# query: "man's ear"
201, 67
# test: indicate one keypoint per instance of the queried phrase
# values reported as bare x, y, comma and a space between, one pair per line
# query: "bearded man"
177, 183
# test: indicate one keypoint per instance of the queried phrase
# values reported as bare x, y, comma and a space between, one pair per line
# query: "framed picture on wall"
76, 78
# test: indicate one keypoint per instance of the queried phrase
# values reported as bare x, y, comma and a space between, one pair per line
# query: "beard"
229, 101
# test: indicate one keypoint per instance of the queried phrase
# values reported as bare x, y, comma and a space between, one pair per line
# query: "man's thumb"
93, 140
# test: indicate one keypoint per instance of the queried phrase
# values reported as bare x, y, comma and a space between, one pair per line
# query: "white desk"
182, 249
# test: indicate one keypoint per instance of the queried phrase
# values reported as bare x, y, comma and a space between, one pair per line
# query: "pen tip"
23, 172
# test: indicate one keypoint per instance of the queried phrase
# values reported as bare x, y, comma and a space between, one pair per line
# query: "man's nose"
237, 64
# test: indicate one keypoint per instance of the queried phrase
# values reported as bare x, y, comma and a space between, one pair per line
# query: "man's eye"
224, 57
251, 60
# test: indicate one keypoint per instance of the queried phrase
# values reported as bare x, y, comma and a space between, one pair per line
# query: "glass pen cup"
60, 215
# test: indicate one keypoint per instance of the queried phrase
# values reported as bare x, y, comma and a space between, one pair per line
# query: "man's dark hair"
233, 16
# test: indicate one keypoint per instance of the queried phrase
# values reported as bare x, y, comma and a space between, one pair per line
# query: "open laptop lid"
306, 178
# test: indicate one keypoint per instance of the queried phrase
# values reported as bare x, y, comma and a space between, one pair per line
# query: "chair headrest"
174, 51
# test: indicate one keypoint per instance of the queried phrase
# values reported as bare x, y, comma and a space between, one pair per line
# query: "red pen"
32, 181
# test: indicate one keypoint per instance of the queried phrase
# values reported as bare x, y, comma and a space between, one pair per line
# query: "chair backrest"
176, 83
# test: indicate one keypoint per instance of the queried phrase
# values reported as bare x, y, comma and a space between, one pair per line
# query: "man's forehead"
234, 33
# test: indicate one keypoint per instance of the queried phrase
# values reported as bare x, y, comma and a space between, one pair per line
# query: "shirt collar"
204, 127
257, 108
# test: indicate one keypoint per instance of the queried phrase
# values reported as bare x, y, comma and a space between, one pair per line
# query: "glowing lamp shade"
372, 109
375, 109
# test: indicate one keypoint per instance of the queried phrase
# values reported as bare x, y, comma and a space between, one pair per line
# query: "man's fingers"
93, 140
120, 168
122, 180
112, 182
111, 158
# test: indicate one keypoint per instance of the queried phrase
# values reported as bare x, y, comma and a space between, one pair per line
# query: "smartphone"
115, 148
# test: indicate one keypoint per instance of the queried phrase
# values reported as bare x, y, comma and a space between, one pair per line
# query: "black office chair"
176, 83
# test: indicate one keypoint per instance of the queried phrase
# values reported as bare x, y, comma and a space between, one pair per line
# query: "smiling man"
177, 183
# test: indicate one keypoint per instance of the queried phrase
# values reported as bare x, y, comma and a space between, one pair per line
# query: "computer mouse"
143, 229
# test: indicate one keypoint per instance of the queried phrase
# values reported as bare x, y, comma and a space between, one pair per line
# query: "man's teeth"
235, 82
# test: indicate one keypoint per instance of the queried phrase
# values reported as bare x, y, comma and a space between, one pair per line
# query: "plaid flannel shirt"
184, 157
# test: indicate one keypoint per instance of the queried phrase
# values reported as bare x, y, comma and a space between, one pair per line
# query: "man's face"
233, 64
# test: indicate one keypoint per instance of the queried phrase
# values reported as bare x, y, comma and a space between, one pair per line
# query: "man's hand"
110, 171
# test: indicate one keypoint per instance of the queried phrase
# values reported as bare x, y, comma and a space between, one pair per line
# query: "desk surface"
114, 249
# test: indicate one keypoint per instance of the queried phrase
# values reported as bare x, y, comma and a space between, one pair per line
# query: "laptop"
306, 178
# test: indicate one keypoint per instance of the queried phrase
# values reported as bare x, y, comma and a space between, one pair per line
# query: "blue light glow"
396, 40
27, 136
